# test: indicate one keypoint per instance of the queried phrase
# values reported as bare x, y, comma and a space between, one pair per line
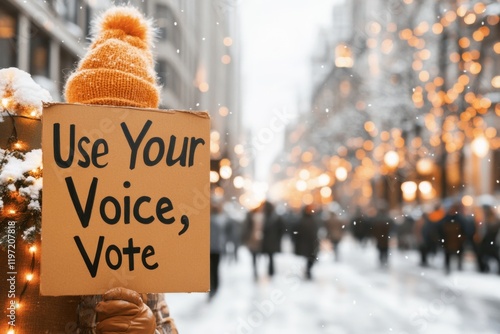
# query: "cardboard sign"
126, 197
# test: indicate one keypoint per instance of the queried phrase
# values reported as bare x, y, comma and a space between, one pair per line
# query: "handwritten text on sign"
109, 191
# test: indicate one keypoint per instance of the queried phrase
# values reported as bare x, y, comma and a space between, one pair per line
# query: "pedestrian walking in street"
427, 233
335, 227
274, 230
218, 222
262, 233
360, 227
487, 239
253, 227
381, 229
452, 233
234, 227
306, 238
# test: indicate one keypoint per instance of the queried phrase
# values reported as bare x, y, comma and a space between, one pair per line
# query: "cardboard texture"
125, 200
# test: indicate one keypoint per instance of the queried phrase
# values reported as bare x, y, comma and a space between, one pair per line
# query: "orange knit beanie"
118, 69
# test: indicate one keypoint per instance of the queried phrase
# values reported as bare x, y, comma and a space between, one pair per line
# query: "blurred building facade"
405, 106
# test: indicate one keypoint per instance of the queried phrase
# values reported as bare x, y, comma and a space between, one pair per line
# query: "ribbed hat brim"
92, 86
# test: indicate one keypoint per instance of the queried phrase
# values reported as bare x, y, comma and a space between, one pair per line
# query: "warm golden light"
369, 126
495, 82
462, 10
301, 185
425, 188
467, 200
214, 135
437, 28
244, 161
225, 172
450, 16
325, 192
203, 87
479, 8
425, 166
214, 148
214, 176
405, 34
5, 102
470, 18
307, 156
239, 182
32, 249
341, 173
343, 56
480, 146
304, 174
29, 277
228, 41
496, 47
223, 111
391, 159
323, 180
409, 189
225, 59
239, 149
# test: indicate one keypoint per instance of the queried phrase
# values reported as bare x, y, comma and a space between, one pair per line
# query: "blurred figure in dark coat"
306, 238
234, 227
274, 229
262, 233
360, 227
487, 239
218, 221
334, 231
452, 229
382, 226
427, 233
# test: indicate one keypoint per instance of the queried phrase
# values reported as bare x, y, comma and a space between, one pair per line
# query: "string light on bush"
20, 178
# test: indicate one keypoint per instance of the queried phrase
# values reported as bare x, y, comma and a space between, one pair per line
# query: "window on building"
168, 27
39, 54
169, 78
164, 18
161, 70
68, 64
8, 41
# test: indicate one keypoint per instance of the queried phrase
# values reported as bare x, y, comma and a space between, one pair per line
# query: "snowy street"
354, 295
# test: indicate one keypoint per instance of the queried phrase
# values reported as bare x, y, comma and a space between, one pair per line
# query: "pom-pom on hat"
118, 68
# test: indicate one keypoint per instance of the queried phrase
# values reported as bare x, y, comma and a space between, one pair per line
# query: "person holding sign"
118, 70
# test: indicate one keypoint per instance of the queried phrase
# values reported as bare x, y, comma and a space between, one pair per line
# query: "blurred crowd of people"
448, 228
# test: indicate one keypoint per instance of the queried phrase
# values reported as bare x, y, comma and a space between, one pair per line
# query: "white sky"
277, 38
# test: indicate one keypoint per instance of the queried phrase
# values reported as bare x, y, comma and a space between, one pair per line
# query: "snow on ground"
354, 295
